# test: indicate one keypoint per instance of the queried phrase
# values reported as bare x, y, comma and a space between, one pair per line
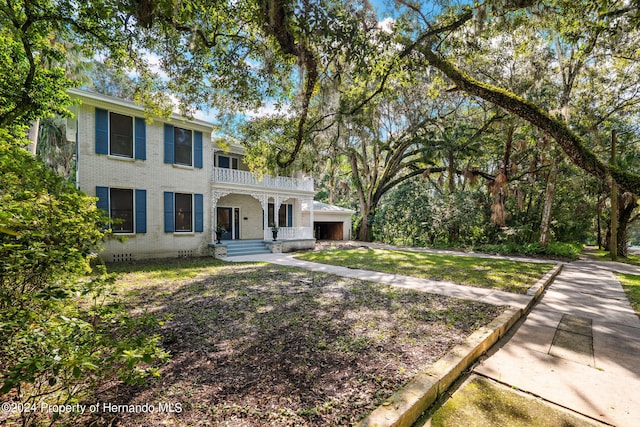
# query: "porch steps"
245, 247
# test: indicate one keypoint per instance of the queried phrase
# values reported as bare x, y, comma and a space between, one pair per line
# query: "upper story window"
120, 135
227, 162
182, 146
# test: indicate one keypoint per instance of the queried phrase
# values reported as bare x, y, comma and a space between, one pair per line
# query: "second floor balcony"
248, 179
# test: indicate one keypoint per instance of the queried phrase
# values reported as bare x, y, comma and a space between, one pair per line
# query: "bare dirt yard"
262, 345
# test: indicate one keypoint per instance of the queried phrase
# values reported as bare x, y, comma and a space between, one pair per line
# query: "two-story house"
167, 187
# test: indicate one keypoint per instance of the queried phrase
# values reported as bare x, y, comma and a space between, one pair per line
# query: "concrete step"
245, 247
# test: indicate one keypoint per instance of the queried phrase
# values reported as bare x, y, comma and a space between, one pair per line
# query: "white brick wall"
152, 175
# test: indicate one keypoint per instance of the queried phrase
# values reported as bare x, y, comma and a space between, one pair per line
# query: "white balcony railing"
290, 233
235, 176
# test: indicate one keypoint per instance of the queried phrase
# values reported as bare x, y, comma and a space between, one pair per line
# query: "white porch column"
311, 219
264, 201
277, 202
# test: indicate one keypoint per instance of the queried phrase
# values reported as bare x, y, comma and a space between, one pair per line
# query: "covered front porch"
245, 215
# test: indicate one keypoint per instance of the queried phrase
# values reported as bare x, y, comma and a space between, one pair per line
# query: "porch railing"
235, 176
290, 233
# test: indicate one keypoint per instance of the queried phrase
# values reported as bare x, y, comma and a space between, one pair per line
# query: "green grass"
483, 403
260, 344
505, 275
602, 255
171, 268
631, 286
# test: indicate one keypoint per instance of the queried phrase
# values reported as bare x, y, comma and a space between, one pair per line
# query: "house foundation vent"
185, 253
122, 258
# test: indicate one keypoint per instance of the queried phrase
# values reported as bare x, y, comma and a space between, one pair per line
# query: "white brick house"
168, 186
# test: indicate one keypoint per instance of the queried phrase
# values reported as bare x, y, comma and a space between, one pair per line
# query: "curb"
542, 284
405, 406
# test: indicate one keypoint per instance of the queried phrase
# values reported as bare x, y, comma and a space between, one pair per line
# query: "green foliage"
631, 286
53, 147
61, 332
553, 250
416, 215
604, 255
31, 90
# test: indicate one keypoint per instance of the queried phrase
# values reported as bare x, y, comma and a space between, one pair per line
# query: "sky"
385, 10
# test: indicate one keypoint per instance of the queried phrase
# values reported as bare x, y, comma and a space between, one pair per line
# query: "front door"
229, 218
225, 219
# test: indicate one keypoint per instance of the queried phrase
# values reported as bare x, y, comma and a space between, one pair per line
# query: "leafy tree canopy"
244, 54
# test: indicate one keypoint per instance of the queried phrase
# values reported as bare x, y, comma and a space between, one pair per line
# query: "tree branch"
572, 144
464, 17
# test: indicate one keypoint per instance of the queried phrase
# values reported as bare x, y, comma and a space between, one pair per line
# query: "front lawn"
602, 255
263, 345
505, 275
631, 285
482, 402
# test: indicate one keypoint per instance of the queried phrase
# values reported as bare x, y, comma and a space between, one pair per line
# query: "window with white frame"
227, 162
183, 213
285, 215
121, 210
120, 135
183, 146
126, 207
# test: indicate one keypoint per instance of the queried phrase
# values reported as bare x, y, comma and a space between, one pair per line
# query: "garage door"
328, 230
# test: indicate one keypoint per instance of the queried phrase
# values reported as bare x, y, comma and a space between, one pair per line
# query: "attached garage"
330, 222
328, 230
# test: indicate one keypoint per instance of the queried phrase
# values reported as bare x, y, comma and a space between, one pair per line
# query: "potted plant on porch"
274, 231
220, 230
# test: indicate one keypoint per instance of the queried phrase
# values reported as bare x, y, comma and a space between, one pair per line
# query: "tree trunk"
364, 233
629, 203
614, 203
599, 221
508, 147
32, 135
548, 202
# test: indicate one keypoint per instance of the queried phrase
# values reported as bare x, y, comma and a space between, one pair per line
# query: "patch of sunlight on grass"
483, 403
507, 275
631, 286
602, 255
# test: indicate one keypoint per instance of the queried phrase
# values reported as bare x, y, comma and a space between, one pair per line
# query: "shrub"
413, 214
554, 249
61, 332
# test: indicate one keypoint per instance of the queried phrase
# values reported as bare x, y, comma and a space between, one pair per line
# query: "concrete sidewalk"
579, 347
450, 289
